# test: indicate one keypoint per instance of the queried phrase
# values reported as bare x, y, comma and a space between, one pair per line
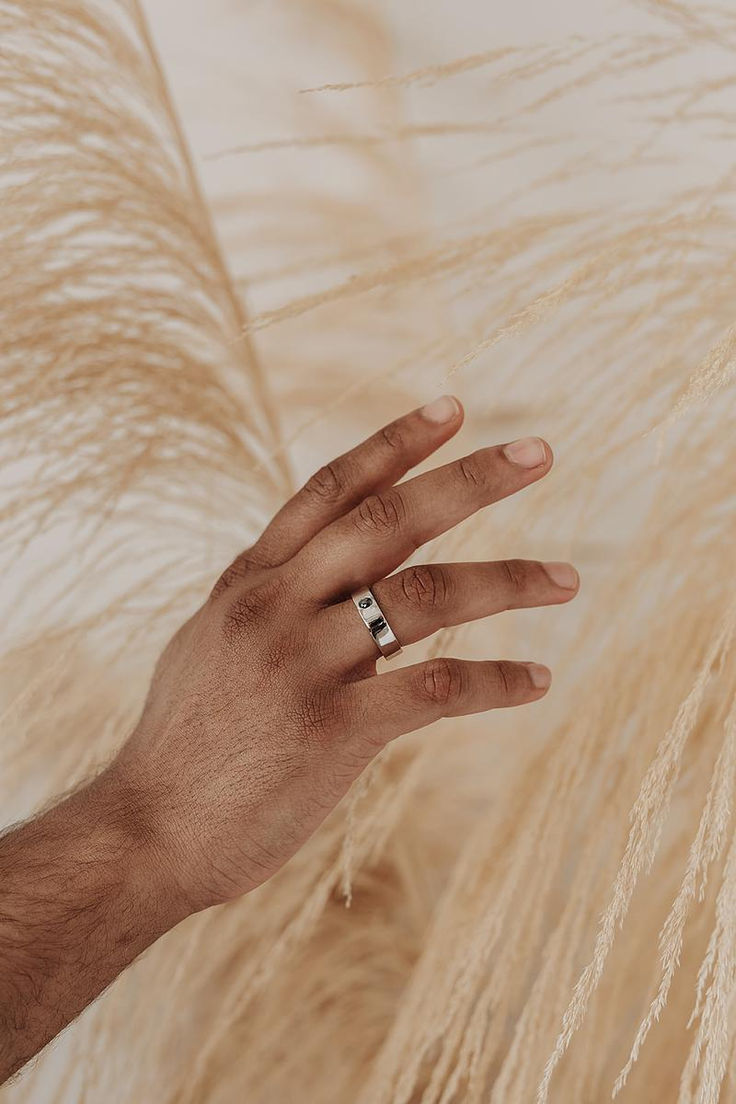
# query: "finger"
415, 696
420, 600
384, 529
374, 465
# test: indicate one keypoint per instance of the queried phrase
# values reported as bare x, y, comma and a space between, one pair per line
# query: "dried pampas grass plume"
124, 368
542, 905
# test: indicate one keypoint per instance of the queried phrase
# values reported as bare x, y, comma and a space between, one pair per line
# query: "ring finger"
420, 600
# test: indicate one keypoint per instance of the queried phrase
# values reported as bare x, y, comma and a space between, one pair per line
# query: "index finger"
375, 464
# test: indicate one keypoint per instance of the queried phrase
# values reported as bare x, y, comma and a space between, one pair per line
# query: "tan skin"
257, 723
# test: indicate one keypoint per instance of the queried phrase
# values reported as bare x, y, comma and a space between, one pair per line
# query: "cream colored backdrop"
532, 205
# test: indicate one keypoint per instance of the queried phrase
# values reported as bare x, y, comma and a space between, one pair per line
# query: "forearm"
82, 893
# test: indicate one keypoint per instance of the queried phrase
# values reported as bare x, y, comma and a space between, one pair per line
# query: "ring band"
375, 621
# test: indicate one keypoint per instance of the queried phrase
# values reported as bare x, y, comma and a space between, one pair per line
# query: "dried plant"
542, 905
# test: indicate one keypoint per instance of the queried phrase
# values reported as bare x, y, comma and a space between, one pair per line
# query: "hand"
266, 706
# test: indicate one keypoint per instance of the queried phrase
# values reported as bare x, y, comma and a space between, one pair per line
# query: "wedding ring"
375, 621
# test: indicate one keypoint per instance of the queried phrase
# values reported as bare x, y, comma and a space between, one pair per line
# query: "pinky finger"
415, 696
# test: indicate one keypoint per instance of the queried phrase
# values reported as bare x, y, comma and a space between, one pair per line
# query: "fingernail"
541, 676
563, 574
443, 409
529, 452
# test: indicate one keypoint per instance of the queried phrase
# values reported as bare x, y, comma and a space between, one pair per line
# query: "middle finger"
382, 531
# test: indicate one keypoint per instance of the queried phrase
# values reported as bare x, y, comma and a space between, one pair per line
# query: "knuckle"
380, 513
441, 681
240, 614
277, 653
316, 714
516, 577
327, 484
508, 677
472, 470
251, 607
393, 436
232, 575
271, 594
425, 586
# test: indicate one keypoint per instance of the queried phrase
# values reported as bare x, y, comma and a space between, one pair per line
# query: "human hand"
265, 706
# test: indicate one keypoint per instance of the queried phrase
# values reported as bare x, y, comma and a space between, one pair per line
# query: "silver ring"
375, 621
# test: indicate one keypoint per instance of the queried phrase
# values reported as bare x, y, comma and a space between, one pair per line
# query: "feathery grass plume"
647, 822
559, 252
123, 367
705, 849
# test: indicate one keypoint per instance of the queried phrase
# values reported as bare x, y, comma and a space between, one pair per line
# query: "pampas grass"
542, 904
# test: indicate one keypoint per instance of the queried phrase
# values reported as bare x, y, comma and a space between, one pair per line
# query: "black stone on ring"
374, 620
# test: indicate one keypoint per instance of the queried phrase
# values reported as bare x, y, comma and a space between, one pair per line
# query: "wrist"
132, 819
